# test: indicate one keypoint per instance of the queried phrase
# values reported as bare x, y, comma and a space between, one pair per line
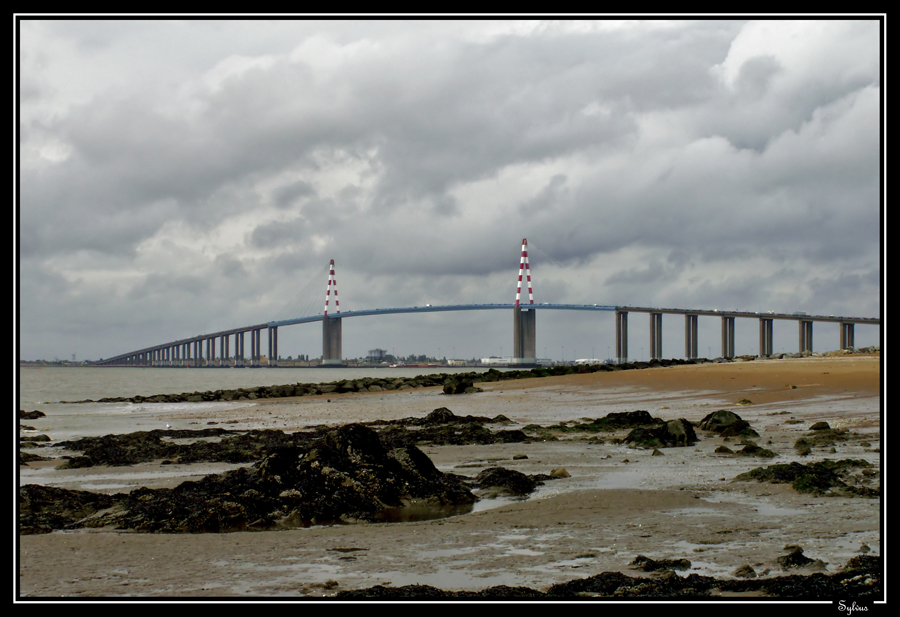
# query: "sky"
181, 177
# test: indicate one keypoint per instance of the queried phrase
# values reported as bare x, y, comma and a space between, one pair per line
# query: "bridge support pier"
622, 336
331, 341
524, 336
766, 343
273, 346
655, 336
847, 335
806, 336
727, 337
690, 337
257, 348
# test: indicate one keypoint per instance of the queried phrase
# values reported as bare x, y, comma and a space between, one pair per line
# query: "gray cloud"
178, 177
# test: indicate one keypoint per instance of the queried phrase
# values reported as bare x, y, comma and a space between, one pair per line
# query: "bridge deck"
482, 307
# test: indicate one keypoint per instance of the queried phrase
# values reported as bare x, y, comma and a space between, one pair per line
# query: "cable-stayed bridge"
200, 351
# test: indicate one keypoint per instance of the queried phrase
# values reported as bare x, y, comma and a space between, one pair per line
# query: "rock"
75, 462
43, 508
651, 565
862, 581
460, 386
744, 571
31, 415
752, 449
794, 559
559, 472
727, 424
28, 457
508, 481
347, 475
820, 478
820, 426
675, 433
441, 415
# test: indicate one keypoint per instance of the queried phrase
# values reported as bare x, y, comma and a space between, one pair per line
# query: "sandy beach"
617, 503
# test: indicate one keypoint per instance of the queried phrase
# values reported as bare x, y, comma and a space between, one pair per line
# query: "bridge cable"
570, 287
308, 299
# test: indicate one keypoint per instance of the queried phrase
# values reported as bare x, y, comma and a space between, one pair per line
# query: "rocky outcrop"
345, 476
145, 446
674, 433
464, 382
861, 579
443, 427
439, 427
498, 481
653, 565
460, 386
820, 478
727, 424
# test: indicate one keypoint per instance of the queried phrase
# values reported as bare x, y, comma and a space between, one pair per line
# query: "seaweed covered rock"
611, 422
727, 424
460, 386
145, 446
45, 508
794, 558
444, 428
675, 433
502, 481
820, 478
346, 476
652, 565
863, 581
752, 449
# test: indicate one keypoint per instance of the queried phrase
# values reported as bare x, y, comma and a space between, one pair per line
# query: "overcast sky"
183, 177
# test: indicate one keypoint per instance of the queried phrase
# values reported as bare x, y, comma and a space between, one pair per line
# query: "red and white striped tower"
523, 266
524, 329
332, 284
331, 326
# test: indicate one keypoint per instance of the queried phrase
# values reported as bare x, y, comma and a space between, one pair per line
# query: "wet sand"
618, 502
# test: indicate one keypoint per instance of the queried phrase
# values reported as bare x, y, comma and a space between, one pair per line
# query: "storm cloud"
186, 176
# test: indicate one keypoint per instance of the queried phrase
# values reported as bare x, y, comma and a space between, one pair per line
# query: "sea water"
44, 389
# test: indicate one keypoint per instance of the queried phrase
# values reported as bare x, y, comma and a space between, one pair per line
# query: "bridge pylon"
524, 328
331, 326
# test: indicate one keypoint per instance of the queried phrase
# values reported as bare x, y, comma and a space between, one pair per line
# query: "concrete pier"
524, 336
622, 336
656, 336
847, 335
806, 336
690, 336
332, 341
766, 340
727, 337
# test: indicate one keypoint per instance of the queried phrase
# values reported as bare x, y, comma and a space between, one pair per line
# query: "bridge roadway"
189, 351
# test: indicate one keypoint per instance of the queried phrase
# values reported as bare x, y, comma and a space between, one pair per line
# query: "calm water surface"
44, 388
39, 386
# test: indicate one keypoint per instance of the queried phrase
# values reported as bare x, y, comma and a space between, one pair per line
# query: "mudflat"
617, 503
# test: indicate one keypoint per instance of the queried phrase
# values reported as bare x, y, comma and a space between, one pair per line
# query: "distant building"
497, 360
376, 355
